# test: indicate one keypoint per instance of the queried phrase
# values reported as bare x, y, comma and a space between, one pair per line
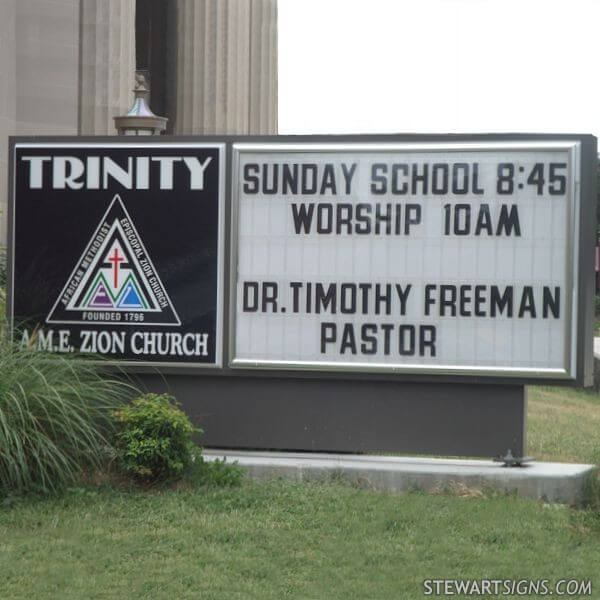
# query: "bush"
55, 418
217, 473
154, 438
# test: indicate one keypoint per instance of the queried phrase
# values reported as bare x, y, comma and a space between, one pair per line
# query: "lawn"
563, 425
284, 540
311, 541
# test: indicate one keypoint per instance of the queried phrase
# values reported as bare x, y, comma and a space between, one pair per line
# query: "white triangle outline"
116, 198
116, 226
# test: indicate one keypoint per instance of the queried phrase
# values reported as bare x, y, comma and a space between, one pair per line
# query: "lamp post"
140, 120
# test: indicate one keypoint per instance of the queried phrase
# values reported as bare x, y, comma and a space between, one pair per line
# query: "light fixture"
140, 120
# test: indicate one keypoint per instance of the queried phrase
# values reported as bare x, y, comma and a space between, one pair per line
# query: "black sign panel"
117, 250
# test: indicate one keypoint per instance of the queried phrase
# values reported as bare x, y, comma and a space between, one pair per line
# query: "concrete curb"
552, 482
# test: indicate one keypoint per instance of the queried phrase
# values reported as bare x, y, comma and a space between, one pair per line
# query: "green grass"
304, 540
563, 425
283, 540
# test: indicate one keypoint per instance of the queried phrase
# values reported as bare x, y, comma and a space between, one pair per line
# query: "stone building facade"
67, 67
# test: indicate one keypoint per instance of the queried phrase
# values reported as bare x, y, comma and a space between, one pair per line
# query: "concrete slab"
552, 482
597, 347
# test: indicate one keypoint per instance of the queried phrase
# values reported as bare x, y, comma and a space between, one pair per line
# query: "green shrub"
217, 473
154, 438
55, 418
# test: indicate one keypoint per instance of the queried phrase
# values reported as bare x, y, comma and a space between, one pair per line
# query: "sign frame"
573, 252
177, 373
108, 142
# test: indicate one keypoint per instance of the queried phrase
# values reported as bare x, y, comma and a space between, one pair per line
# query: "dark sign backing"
118, 250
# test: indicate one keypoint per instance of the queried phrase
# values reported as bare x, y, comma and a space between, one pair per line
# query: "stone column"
263, 67
225, 67
107, 46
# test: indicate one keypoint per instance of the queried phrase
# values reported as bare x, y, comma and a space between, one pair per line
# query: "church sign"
372, 255
435, 258
118, 250
337, 293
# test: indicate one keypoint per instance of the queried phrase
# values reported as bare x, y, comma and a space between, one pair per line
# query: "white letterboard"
437, 258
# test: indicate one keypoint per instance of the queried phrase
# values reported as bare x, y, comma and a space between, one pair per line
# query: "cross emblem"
115, 259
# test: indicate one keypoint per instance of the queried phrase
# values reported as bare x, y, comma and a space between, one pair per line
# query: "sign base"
321, 415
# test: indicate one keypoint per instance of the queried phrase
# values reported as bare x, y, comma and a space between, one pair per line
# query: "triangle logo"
114, 280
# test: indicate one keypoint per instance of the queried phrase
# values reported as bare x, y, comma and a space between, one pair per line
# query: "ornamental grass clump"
154, 438
2, 289
55, 418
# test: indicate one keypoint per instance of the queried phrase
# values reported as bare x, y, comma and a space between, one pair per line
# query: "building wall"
47, 66
67, 68
39, 69
7, 98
